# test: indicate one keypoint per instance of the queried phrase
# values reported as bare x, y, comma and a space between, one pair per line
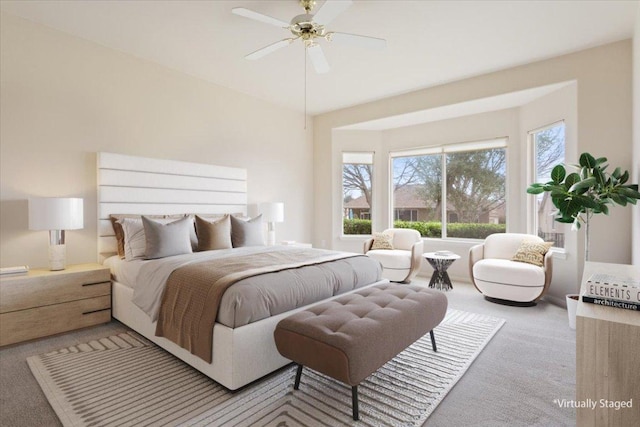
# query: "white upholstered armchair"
504, 281
401, 263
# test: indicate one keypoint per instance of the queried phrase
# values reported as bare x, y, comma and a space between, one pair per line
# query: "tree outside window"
472, 199
357, 172
548, 145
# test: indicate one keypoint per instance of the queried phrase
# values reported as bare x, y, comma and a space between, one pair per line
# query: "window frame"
501, 142
410, 210
532, 205
361, 155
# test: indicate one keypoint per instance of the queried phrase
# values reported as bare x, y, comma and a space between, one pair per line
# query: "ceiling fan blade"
318, 59
269, 49
329, 10
356, 40
241, 11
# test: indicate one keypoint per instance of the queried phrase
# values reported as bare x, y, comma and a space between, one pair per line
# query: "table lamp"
56, 214
272, 212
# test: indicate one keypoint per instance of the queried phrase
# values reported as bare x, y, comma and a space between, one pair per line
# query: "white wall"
63, 99
636, 136
603, 77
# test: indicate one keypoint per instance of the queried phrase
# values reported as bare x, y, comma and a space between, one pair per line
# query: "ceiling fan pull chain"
310, 28
305, 87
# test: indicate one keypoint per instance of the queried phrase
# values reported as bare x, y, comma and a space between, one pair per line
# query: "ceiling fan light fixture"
308, 27
303, 26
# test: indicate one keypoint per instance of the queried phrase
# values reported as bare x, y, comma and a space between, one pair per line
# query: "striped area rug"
125, 380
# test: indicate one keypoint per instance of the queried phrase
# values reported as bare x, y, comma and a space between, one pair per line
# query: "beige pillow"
213, 235
532, 252
206, 217
382, 241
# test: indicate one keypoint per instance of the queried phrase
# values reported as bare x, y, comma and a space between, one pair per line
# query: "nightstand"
44, 302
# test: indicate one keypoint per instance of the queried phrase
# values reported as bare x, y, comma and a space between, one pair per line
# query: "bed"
145, 186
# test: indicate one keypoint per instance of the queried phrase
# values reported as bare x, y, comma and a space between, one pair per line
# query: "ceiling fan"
308, 27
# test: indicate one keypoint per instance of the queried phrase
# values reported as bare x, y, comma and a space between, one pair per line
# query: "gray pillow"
163, 240
213, 235
247, 233
131, 245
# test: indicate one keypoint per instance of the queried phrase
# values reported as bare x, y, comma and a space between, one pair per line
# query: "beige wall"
63, 99
636, 136
603, 77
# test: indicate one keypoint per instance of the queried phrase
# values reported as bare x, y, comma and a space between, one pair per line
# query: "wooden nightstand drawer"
43, 287
44, 302
38, 322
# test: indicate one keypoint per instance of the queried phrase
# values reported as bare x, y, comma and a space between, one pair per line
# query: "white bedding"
122, 271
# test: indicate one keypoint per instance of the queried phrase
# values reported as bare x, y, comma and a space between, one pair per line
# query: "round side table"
440, 261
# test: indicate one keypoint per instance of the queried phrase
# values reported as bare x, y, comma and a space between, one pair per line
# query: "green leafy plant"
591, 190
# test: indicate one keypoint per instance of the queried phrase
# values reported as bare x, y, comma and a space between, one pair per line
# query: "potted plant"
591, 190
579, 195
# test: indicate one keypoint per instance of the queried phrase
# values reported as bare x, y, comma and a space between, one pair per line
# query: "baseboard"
560, 302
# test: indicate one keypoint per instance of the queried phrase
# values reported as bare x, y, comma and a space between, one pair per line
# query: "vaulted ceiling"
428, 42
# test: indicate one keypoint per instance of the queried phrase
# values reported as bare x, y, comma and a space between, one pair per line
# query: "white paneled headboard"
146, 186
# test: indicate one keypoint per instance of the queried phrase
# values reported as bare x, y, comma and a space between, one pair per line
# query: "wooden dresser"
607, 357
44, 302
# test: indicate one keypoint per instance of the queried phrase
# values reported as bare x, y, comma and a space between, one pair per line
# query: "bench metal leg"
354, 402
433, 340
298, 374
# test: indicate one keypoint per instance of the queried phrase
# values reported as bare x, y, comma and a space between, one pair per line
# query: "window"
547, 150
451, 191
405, 214
357, 170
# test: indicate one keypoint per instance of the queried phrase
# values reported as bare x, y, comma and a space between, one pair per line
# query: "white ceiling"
428, 42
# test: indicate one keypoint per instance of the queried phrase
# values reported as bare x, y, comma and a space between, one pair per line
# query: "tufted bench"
351, 337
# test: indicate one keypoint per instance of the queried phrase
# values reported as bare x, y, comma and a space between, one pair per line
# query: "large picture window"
455, 191
357, 172
547, 150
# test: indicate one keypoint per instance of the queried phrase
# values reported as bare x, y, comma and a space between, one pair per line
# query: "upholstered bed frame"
138, 185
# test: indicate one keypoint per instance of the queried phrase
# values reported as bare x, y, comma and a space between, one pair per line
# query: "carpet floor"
126, 380
513, 382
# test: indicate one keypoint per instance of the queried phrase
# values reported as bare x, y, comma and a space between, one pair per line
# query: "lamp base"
271, 238
57, 257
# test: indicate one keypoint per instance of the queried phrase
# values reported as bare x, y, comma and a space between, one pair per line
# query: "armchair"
401, 263
504, 281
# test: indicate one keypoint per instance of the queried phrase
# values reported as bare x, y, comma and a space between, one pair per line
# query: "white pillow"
135, 243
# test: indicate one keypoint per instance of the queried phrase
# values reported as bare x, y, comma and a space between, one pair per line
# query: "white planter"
572, 306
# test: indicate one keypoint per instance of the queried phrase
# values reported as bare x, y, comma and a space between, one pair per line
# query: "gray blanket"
263, 296
191, 299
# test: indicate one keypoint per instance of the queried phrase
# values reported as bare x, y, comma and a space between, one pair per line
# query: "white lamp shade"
55, 213
272, 212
